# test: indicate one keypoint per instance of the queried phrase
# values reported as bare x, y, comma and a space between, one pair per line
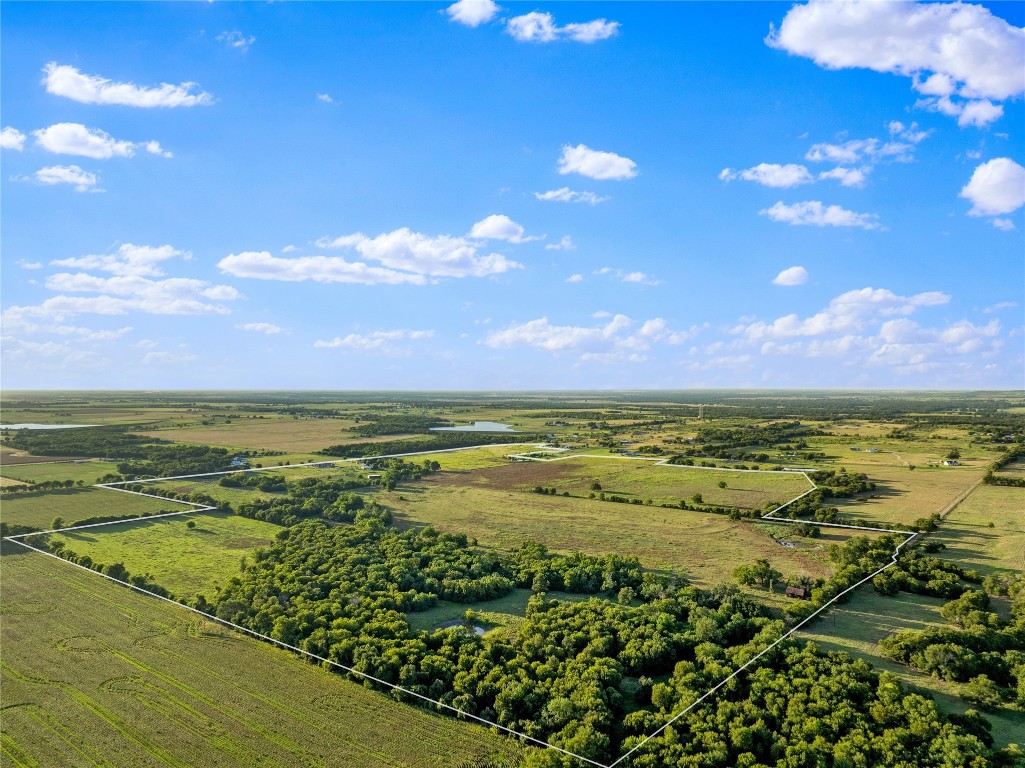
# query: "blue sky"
563, 195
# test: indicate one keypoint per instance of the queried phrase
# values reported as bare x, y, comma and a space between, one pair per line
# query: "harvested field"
95, 674
973, 543
39, 508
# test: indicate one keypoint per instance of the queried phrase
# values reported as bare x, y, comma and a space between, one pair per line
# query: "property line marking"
657, 462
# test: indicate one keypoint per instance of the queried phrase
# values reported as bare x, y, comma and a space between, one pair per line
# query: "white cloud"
83, 181
911, 133
1005, 225
615, 340
791, 276
268, 328
567, 195
169, 293
325, 97
29, 264
67, 81
235, 39
996, 186
847, 313
771, 175
386, 342
129, 259
565, 244
979, 113
627, 277
12, 138
499, 227
848, 177
472, 13
596, 164
76, 139
434, 256
946, 48
290, 249
538, 27
577, 278
857, 150
261, 265
591, 31
813, 212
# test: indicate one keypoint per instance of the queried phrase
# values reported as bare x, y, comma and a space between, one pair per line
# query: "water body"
46, 426
477, 426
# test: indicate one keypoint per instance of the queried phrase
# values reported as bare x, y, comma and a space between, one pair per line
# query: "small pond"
477, 426
476, 629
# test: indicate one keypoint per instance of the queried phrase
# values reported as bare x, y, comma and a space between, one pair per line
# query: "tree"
722, 483
954, 454
982, 691
696, 498
191, 524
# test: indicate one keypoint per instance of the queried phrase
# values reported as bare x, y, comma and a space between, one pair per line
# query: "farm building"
799, 593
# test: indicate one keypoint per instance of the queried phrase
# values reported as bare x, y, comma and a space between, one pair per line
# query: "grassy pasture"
640, 479
857, 626
507, 612
95, 674
973, 544
86, 471
706, 547
904, 495
39, 508
274, 433
186, 561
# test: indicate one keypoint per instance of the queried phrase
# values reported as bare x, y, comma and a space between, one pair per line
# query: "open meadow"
86, 471
986, 531
38, 509
95, 674
186, 561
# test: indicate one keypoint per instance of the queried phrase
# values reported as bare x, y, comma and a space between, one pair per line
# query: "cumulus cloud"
996, 187
168, 358
791, 276
269, 328
576, 278
76, 139
82, 181
386, 342
29, 264
235, 39
618, 339
565, 244
848, 177
472, 13
850, 312
771, 175
67, 81
567, 195
596, 164
499, 227
130, 259
1004, 225
947, 49
814, 213
325, 97
858, 150
627, 277
12, 138
159, 293
539, 27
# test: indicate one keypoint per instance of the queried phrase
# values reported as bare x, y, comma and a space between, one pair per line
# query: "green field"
974, 544
95, 674
186, 561
705, 547
39, 508
903, 495
507, 612
857, 626
86, 471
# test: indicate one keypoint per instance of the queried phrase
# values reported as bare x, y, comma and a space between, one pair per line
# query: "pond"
475, 628
477, 426
45, 426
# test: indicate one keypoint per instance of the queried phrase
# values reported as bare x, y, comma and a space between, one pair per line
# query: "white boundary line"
656, 462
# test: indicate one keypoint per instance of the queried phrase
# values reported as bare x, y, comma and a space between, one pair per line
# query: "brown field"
974, 544
271, 434
10, 482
